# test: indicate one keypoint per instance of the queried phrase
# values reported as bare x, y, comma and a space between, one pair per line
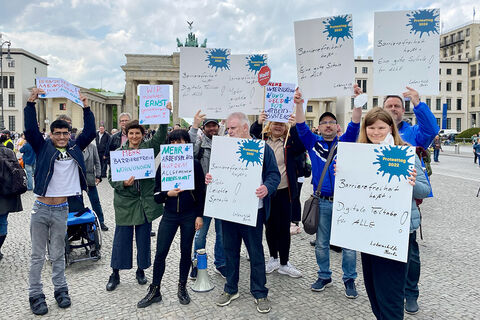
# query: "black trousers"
384, 283
122, 248
103, 165
296, 205
167, 229
277, 227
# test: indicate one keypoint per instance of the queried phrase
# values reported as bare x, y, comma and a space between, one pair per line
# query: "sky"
85, 41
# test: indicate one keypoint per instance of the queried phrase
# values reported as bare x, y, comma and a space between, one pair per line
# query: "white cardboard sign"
153, 104
139, 163
176, 161
406, 51
325, 58
279, 101
373, 199
236, 169
59, 88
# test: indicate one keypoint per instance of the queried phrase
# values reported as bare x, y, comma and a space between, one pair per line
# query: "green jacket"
132, 202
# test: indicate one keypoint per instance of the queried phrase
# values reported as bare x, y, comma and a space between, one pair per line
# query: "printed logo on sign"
393, 160
218, 59
255, 62
338, 27
424, 21
250, 152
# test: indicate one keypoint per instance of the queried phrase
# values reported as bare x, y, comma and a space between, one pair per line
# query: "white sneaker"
289, 270
272, 265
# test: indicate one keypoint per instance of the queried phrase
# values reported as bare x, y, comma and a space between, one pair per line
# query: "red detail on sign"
264, 75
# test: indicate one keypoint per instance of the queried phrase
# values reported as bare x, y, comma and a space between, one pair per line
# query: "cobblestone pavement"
448, 285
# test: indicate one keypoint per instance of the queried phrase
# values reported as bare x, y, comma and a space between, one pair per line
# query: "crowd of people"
65, 167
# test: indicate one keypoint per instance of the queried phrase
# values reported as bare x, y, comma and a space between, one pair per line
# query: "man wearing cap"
6, 140
202, 149
318, 148
422, 135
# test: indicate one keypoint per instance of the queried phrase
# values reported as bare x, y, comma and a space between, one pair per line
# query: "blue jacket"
28, 154
423, 133
318, 151
270, 177
47, 153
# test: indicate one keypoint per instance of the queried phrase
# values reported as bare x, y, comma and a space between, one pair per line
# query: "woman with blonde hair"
284, 141
385, 278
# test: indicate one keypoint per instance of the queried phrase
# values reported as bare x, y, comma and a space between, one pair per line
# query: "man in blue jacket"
238, 126
421, 134
59, 173
318, 148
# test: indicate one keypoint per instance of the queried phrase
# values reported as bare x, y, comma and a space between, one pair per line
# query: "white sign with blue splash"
176, 161
244, 91
138, 163
236, 169
204, 77
373, 199
152, 108
325, 58
406, 51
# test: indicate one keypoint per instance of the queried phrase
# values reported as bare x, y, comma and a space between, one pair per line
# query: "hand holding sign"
413, 95
198, 119
59, 88
35, 93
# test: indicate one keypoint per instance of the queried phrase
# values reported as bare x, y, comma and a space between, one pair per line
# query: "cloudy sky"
85, 41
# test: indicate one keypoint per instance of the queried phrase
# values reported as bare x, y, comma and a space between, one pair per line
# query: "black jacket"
188, 200
293, 148
102, 144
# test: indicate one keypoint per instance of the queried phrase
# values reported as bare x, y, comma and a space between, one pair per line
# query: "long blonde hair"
379, 114
267, 130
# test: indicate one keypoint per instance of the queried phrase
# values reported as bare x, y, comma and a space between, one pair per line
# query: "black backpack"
13, 180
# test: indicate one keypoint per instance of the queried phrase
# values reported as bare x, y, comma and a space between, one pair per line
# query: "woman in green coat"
135, 209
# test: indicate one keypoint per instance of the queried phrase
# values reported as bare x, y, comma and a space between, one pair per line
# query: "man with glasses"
318, 148
59, 173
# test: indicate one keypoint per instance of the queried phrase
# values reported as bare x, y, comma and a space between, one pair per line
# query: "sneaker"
350, 289
272, 265
263, 305
222, 271
289, 270
321, 284
193, 273
62, 297
38, 304
103, 227
411, 306
226, 298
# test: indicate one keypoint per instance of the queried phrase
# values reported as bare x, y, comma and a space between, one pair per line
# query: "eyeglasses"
61, 133
328, 122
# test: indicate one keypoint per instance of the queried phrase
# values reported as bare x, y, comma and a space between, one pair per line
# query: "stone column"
128, 98
134, 109
175, 101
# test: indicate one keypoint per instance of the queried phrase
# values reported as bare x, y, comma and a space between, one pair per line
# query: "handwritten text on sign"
139, 163
325, 58
59, 88
177, 166
406, 51
153, 104
236, 169
279, 101
371, 207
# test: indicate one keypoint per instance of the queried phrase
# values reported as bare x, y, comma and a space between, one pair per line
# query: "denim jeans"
201, 240
3, 224
29, 169
233, 233
95, 201
413, 268
48, 222
436, 152
322, 247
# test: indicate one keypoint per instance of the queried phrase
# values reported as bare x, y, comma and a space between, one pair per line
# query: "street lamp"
8, 43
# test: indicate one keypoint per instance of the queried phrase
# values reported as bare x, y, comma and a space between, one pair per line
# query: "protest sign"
59, 88
325, 58
236, 169
139, 163
406, 51
245, 93
373, 199
279, 101
153, 104
204, 77
176, 161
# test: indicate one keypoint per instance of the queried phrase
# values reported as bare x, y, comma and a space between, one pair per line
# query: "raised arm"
32, 132
88, 133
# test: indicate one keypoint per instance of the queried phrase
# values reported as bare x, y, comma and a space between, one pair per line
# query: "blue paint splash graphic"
177, 185
393, 160
338, 27
251, 151
218, 59
424, 21
255, 62
148, 173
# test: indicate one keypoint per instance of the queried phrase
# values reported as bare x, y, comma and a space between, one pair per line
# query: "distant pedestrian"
29, 160
103, 141
437, 146
476, 150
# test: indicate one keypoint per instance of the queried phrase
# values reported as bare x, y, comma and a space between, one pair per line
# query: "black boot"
113, 281
152, 296
182, 294
2, 240
141, 278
